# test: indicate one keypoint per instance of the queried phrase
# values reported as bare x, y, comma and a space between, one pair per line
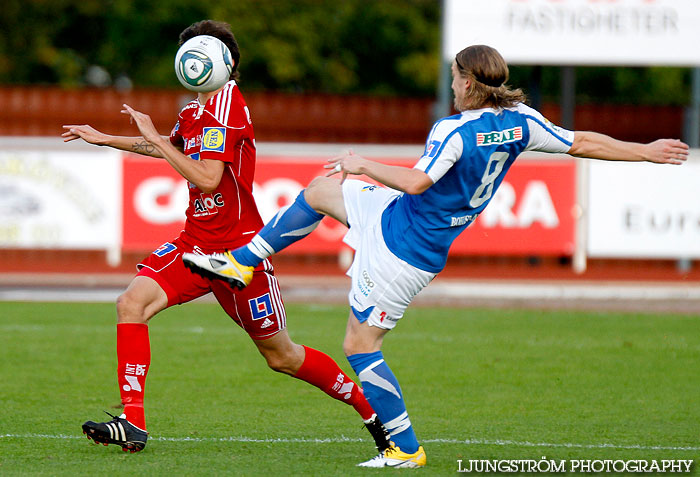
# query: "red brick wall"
41, 111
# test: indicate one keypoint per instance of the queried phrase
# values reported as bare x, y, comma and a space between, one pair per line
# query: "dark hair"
489, 70
220, 30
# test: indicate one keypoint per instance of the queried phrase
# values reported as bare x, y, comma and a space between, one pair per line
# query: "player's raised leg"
142, 299
292, 223
362, 347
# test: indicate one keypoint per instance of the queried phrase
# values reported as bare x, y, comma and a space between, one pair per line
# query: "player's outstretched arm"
125, 143
405, 179
205, 174
600, 146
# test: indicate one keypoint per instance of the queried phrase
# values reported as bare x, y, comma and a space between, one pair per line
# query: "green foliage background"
377, 47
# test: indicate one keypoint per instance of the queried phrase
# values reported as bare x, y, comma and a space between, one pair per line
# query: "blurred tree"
337, 46
56, 41
649, 85
383, 47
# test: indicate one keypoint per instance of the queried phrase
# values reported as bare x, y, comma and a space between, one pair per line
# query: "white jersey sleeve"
442, 149
545, 136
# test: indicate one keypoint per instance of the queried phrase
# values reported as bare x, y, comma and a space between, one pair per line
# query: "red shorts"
258, 308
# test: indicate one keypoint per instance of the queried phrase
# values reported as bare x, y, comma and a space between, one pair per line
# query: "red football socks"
320, 370
133, 358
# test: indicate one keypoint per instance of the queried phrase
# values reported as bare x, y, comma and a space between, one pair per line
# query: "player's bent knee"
281, 364
282, 358
352, 346
355, 343
130, 310
317, 190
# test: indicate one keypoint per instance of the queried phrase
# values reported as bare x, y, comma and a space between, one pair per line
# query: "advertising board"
643, 210
62, 200
531, 213
577, 32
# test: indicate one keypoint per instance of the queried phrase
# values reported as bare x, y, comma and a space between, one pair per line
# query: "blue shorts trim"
362, 316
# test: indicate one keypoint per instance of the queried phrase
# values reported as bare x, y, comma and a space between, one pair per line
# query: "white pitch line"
341, 439
570, 445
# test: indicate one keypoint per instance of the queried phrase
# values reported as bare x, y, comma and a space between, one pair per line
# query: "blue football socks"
384, 395
290, 224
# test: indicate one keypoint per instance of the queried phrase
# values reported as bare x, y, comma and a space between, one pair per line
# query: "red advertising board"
531, 213
154, 203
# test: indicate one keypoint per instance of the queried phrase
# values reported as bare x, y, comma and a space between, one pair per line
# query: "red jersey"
220, 130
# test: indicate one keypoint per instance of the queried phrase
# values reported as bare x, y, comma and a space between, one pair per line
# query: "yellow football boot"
395, 457
221, 266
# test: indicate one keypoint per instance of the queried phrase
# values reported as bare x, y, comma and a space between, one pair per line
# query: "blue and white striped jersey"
467, 156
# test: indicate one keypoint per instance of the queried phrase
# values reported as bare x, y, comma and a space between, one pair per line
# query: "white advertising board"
62, 200
577, 32
644, 210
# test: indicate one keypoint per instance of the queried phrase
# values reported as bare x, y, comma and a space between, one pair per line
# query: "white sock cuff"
260, 248
398, 424
371, 367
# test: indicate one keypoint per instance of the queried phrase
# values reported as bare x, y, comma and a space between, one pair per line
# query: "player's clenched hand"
84, 132
667, 151
144, 123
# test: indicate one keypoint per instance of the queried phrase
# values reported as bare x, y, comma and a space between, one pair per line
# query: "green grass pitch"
479, 384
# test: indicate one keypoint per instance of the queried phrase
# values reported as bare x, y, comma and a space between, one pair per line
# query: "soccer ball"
203, 64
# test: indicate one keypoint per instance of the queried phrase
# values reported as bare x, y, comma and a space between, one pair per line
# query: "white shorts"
383, 285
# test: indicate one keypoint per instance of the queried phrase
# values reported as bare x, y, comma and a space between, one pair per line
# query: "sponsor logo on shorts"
383, 316
368, 188
354, 297
365, 283
499, 137
214, 139
261, 307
